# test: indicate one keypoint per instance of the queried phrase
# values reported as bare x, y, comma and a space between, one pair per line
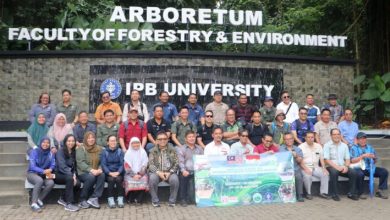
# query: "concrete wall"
24, 78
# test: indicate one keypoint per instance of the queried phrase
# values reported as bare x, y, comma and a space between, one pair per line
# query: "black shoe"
183, 203
324, 196
336, 198
309, 197
353, 197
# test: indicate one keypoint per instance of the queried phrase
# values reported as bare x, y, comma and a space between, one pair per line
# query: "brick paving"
318, 209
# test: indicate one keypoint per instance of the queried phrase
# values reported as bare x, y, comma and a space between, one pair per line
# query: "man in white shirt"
289, 108
135, 102
217, 147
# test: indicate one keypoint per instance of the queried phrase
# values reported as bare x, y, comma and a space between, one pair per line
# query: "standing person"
301, 126
312, 156
59, 130
136, 178
186, 164
256, 129
313, 112
169, 109
37, 130
89, 171
155, 125
40, 169
278, 127
268, 110
82, 126
112, 165
135, 102
66, 173
109, 127
243, 146
244, 110
322, 128
231, 127
337, 157
163, 166
289, 108
297, 156
181, 126
196, 112
133, 127
266, 146
336, 110
218, 108
105, 105
364, 151
43, 106
217, 147
70, 110
205, 131
348, 129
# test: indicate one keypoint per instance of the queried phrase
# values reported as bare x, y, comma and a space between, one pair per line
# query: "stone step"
382, 152
11, 183
13, 170
13, 147
14, 197
12, 158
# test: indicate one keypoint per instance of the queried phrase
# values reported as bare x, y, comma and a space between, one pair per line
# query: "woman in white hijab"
136, 178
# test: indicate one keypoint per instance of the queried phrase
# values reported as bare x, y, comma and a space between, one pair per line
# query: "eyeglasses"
209, 116
267, 141
162, 139
106, 97
244, 135
286, 97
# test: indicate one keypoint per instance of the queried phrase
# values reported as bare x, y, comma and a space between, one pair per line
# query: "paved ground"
376, 208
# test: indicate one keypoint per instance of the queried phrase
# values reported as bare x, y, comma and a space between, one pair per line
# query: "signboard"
181, 81
244, 180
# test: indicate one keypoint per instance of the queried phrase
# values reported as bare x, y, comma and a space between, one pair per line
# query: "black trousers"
136, 195
115, 183
70, 188
334, 176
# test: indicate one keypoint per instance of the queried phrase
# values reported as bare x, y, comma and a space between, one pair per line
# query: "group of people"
133, 150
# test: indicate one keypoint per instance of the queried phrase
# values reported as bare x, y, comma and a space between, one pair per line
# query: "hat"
268, 98
217, 93
133, 109
332, 96
361, 135
279, 112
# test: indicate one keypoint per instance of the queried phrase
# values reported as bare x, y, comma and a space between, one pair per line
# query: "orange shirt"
99, 114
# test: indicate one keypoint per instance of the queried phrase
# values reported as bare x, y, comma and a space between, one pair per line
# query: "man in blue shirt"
300, 126
297, 154
348, 128
196, 112
336, 155
82, 126
170, 110
364, 151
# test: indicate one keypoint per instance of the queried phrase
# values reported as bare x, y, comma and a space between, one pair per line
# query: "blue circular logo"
113, 86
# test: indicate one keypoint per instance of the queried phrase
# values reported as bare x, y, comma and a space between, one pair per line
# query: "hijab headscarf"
136, 159
58, 131
44, 155
93, 150
37, 131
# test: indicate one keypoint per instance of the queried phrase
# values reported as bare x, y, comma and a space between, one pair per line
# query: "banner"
244, 180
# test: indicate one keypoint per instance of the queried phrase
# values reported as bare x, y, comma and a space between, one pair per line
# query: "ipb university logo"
113, 86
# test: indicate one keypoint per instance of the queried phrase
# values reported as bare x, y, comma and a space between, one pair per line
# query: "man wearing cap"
243, 110
268, 110
336, 110
218, 108
322, 128
313, 112
348, 128
133, 127
289, 108
364, 151
278, 127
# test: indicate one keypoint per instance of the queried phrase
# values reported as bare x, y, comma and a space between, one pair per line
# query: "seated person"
217, 147
243, 146
266, 146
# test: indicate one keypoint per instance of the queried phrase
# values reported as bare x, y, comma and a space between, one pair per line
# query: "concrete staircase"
13, 166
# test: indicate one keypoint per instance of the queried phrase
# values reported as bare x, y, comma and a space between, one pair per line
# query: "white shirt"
311, 155
144, 109
292, 114
212, 149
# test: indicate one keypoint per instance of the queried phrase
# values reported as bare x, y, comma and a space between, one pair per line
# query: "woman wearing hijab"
89, 171
41, 166
136, 179
36, 131
59, 130
112, 164
66, 172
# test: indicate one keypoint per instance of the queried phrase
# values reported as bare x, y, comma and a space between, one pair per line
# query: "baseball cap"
361, 135
217, 93
332, 96
268, 98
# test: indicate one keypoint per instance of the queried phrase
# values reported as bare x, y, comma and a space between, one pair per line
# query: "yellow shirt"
99, 114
